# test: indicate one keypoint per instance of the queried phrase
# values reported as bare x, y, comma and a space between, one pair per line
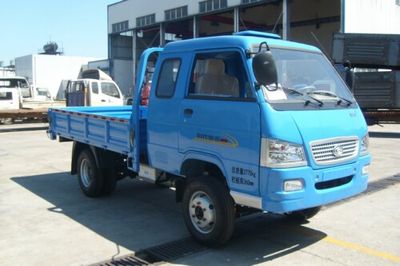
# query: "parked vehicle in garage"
232, 122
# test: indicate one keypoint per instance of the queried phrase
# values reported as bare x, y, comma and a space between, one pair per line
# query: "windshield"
305, 77
13, 83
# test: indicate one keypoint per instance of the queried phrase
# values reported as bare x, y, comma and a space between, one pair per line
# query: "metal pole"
162, 35
286, 20
342, 15
134, 53
195, 27
236, 19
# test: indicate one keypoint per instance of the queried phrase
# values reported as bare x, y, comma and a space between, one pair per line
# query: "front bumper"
320, 187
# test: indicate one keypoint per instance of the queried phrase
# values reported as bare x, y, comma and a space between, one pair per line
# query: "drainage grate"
130, 260
163, 253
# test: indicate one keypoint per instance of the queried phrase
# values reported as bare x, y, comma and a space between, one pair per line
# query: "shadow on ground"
140, 215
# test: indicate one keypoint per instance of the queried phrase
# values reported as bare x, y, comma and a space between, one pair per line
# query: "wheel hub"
86, 172
202, 212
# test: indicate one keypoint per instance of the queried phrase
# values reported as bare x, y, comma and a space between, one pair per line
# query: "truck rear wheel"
89, 175
208, 211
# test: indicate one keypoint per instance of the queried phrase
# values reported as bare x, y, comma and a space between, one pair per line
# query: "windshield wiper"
293, 91
331, 94
307, 102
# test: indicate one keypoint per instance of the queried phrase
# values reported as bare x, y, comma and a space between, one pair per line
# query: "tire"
109, 181
208, 211
303, 215
89, 175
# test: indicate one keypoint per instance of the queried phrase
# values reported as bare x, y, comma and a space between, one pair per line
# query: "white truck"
20, 101
93, 88
12, 92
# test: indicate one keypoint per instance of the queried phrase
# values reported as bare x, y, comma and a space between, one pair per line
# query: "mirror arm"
266, 46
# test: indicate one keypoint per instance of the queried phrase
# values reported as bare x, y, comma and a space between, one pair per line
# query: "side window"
167, 79
78, 86
95, 88
219, 75
109, 89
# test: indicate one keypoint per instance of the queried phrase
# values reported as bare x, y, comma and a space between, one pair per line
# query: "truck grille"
329, 151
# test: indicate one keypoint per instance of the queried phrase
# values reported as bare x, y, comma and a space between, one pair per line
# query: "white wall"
372, 16
131, 9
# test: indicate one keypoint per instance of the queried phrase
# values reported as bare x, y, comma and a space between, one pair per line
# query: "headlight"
281, 154
364, 146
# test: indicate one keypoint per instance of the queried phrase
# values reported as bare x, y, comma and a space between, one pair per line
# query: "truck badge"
337, 151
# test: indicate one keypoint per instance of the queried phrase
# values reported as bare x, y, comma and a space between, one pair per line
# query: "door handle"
103, 100
188, 112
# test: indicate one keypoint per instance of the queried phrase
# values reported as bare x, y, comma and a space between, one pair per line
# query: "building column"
195, 27
134, 53
236, 19
162, 35
342, 15
286, 20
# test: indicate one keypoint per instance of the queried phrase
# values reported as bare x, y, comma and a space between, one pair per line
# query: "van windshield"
305, 77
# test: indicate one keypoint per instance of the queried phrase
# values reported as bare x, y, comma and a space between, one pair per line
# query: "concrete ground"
46, 220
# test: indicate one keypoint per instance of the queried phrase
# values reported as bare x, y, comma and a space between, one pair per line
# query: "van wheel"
303, 215
208, 211
89, 175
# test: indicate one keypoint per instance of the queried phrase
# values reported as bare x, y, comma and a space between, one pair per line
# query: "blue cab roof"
243, 39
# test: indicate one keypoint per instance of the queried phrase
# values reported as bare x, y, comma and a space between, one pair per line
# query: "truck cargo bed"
104, 127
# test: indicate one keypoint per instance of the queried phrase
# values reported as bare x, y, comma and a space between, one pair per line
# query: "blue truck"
234, 123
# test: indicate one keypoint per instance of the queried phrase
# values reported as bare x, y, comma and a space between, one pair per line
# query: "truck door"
139, 114
110, 94
94, 97
220, 117
163, 116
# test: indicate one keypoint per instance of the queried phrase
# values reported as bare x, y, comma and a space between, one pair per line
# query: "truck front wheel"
208, 211
89, 175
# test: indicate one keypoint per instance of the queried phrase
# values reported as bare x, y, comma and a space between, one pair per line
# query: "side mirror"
264, 68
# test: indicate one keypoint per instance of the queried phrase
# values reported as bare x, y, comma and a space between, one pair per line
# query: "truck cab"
288, 144
13, 90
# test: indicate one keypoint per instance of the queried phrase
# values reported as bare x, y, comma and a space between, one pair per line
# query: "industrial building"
134, 25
